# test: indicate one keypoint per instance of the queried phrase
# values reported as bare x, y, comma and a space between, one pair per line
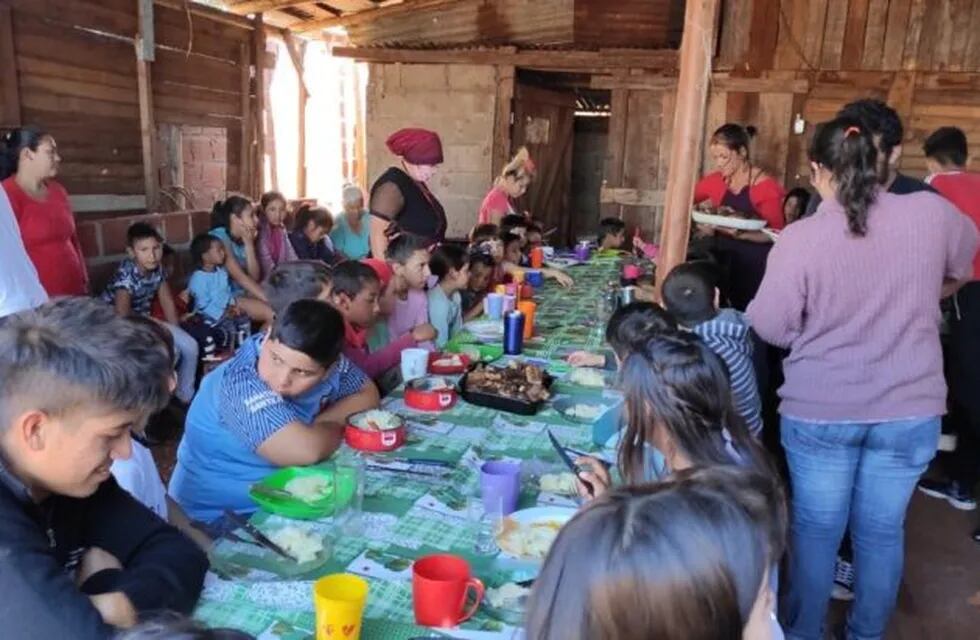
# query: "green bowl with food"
303, 493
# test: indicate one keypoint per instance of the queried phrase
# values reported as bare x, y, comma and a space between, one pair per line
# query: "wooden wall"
921, 56
75, 69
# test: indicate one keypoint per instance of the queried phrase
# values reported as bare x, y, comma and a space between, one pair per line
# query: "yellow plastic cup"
339, 603
518, 276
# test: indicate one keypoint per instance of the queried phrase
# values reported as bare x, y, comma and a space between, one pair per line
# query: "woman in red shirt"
738, 184
28, 164
509, 186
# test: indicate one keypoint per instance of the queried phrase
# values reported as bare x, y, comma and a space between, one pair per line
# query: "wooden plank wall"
922, 56
76, 74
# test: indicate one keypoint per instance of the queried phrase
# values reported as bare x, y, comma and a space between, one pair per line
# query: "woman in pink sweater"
853, 292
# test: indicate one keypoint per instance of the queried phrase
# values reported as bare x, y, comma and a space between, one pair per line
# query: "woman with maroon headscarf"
400, 198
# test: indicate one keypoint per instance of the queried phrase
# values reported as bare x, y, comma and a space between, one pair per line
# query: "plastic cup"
510, 303
338, 600
441, 585
527, 308
535, 278
501, 289
414, 363
537, 257
500, 486
549, 252
493, 306
518, 276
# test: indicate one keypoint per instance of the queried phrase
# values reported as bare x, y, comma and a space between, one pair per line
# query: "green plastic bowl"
488, 352
294, 507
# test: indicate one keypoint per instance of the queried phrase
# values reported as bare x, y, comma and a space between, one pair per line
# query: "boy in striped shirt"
690, 294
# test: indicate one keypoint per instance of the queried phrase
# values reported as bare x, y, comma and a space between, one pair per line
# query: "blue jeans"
861, 474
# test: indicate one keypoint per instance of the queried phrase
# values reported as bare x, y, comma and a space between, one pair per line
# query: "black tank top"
422, 214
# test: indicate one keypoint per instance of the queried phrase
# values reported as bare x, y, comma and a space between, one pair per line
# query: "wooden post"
258, 58
304, 97
697, 46
501, 121
245, 163
360, 134
9, 91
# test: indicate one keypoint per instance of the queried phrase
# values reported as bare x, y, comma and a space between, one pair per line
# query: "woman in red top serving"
508, 187
28, 164
747, 189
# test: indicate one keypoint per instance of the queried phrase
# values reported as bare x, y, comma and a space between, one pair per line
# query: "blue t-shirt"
211, 291
233, 413
237, 251
142, 287
353, 245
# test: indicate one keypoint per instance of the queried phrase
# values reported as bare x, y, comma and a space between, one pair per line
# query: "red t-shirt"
48, 230
962, 188
496, 202
766, 196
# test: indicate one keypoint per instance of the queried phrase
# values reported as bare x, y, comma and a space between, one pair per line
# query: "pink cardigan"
274, 247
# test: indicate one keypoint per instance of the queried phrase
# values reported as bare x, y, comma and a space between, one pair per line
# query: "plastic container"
367, 440
510, 405
262, 493
420, 395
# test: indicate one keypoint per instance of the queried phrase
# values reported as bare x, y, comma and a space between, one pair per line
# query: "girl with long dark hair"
233, 221
853, 291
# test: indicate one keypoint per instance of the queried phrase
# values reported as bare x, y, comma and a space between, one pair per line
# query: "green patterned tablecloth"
407, 516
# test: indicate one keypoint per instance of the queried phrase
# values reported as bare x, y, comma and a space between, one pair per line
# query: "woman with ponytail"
28, 165
852, 291
507, 188
234, 222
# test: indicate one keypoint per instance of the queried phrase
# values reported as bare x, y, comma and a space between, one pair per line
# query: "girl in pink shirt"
509, 186
273, 243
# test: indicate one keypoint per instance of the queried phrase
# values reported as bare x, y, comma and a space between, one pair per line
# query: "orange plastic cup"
528, 308
537, 257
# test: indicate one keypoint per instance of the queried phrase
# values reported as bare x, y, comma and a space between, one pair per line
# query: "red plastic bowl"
448, 370
421, 398
365, 440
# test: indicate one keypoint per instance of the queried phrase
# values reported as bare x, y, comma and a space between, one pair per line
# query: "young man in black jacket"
79, 557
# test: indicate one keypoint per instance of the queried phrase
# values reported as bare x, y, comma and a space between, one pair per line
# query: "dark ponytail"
223, 210
846, 149
14, 141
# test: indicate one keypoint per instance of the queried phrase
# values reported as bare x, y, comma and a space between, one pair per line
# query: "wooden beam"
259, 6
245, 163
700, 26
210, 13
644, 82
505, 75
360, 17
173, 140
296, 51
258, 55
616, 145
9, 90
108, 202
147, 125
775, 83
631, 197
532, 59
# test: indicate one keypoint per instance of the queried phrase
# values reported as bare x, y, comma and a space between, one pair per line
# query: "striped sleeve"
729, 343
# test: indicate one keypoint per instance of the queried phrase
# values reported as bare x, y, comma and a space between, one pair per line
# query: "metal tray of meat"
503, 403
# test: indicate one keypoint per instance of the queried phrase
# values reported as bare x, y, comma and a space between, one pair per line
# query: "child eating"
471, 297
449, 264
273, 242
138, 280
612, 236
408, 257
220, 320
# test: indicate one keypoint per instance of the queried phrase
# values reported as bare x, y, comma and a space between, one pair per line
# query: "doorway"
564, 125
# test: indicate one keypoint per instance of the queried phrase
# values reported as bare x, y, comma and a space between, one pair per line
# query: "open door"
544, 123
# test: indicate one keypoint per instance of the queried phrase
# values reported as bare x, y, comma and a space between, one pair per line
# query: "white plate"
528, 517
486, 329
724, 221
772, 233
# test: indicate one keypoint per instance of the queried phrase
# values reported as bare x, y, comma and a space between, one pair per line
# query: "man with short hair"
80, 556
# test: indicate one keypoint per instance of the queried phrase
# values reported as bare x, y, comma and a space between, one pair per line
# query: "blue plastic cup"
493, 305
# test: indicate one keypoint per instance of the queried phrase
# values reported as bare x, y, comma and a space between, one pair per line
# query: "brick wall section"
456, 101
103, 240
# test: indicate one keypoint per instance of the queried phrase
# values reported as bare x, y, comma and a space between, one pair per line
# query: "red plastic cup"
440, 585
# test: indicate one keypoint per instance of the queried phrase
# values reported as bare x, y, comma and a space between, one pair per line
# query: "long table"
406, 516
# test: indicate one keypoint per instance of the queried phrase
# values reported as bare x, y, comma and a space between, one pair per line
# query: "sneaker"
952, 492
843, 581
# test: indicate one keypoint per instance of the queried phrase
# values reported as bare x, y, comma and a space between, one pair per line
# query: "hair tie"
852, 130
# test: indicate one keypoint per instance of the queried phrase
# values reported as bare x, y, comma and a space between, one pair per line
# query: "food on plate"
449, 361
518, 380
583, 411
303, 545
308, 488
558, 483
531, 540
508, 596
724, 211
587, 377
377, 420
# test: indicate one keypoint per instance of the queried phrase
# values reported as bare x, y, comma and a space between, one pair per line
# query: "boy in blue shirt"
282, 400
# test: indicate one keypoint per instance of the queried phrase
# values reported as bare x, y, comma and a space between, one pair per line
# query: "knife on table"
574, 468
259, 537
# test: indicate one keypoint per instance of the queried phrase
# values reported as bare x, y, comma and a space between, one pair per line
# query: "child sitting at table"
297, 280
282, 400
138, 280
692, 557
628, 325
273, 244
535, 236
516, 224
612, 236
217, 322
472, 296
356, 293
408, 257
512, 245
81, 556
449, 264
690, 293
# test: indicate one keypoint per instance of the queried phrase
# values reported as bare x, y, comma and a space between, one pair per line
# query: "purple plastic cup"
510, 303
500, 486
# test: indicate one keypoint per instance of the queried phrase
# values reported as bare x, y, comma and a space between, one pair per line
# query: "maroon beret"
417, 146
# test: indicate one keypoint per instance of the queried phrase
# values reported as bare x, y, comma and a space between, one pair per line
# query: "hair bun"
751, 131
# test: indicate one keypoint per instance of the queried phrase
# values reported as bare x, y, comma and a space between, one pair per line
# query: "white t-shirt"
140, 477
20, 288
